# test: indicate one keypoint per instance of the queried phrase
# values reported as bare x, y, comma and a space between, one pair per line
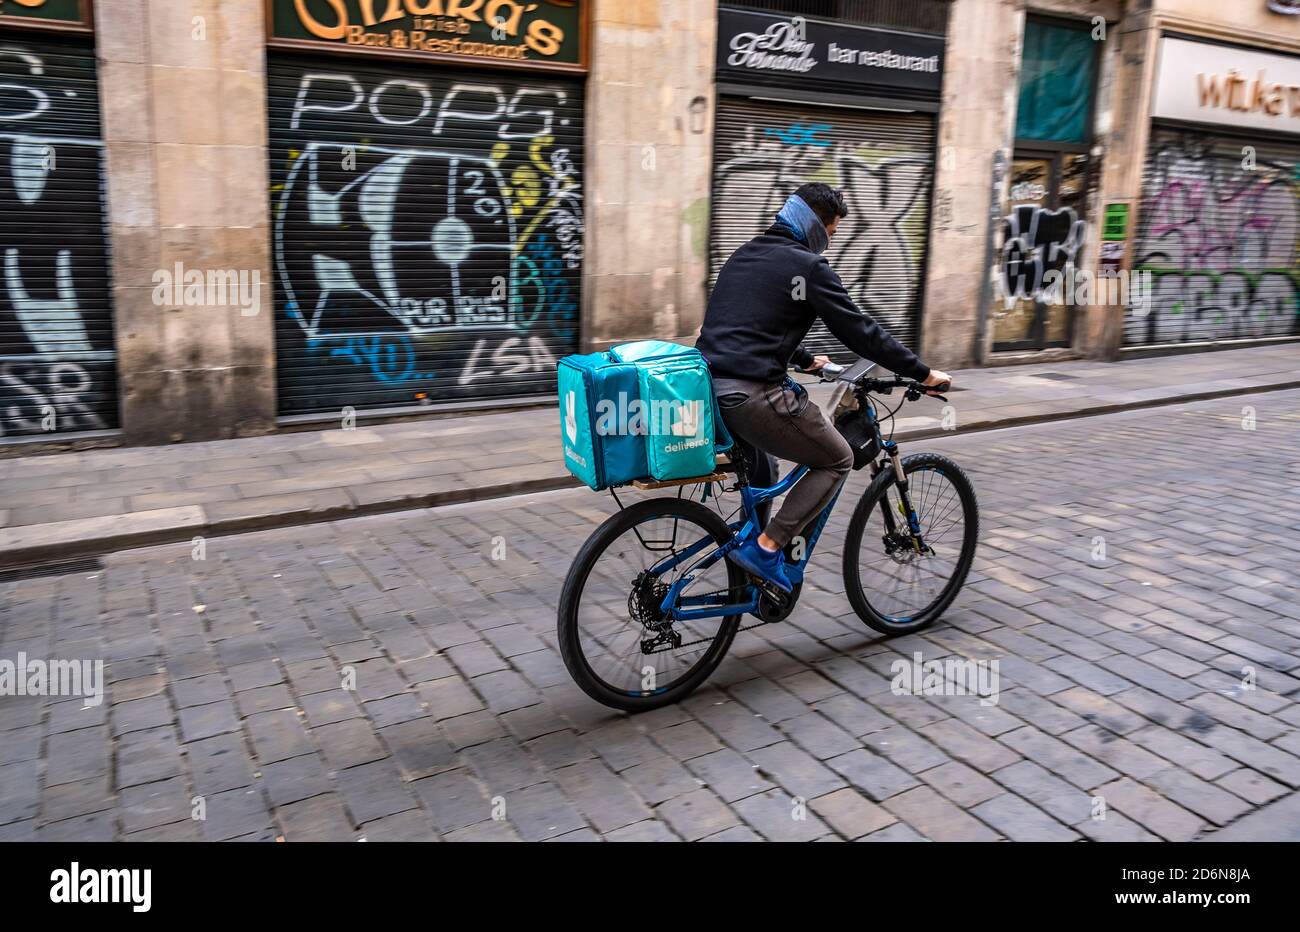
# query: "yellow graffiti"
561, 187
526, 188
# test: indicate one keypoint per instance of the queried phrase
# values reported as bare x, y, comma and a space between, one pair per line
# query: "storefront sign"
498, 32
794, 50
1206, 83
46, 14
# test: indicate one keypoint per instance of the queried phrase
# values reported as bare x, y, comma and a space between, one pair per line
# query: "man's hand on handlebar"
935, 384
939, 381
817, 363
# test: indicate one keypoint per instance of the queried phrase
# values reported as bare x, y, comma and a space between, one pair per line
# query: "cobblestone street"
1136, 575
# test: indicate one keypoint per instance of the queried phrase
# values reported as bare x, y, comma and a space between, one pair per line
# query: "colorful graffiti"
1222, 241
423, 232
57, 370
885, 176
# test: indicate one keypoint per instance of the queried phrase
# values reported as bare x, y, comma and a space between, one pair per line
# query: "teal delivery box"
597, 448
684, 429
643, 409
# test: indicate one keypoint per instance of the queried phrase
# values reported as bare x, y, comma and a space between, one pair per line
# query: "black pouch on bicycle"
855, 427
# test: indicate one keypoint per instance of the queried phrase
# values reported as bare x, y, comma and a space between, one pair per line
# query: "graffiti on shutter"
884, 168
57, 369
427, 234
1222, 241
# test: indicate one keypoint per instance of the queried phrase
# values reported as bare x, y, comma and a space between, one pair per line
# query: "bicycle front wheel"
894, 588
614, 638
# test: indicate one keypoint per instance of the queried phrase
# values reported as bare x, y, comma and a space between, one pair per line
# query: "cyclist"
767, 296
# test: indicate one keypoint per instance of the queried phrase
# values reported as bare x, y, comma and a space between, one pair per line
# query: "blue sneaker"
764, 564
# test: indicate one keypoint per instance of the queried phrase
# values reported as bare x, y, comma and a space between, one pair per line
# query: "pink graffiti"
1200, 229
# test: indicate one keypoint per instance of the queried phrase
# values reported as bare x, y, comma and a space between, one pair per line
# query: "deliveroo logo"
689, 417
687, 422
571, 417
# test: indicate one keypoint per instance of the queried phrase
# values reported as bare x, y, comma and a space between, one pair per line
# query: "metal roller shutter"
1221, 241
426, 231
57, 359
884, 162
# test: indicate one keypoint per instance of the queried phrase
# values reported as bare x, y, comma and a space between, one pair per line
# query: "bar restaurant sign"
46, 14
1205, 83
793, 50
506, 32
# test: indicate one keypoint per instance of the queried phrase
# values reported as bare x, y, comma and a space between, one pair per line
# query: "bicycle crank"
775, 605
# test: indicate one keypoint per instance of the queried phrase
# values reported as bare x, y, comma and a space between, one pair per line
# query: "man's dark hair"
826, 202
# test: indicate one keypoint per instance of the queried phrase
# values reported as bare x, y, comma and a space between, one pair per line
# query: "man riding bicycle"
768, 295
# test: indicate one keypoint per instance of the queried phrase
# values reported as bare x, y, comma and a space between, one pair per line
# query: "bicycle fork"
904, 502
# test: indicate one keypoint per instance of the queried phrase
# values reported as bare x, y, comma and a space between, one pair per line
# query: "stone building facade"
226, 216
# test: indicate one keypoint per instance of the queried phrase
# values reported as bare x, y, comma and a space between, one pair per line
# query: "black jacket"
759, 314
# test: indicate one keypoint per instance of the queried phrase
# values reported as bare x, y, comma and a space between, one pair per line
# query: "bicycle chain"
728, 593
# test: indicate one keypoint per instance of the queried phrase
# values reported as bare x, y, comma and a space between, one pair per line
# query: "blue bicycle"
651, 604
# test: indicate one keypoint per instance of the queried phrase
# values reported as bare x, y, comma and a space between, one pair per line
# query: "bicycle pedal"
771, 590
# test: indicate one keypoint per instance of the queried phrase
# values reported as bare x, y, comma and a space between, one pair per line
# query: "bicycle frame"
685, 608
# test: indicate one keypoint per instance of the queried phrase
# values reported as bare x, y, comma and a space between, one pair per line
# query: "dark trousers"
781, 420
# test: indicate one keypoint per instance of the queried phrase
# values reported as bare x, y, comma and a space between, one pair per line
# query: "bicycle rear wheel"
614, 639
894, 589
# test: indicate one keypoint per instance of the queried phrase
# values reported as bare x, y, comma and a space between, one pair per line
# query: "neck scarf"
800, 219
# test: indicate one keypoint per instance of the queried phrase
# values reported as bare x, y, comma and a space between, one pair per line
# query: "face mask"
804, 223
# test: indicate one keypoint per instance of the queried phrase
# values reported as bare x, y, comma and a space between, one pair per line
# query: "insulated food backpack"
643, 409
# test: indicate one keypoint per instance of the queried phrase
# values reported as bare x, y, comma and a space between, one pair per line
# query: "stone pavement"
68, 504
1136, 572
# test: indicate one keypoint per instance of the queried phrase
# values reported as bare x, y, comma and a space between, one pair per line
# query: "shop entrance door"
1042, 231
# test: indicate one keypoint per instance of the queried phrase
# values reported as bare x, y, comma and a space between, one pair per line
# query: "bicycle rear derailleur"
643, 604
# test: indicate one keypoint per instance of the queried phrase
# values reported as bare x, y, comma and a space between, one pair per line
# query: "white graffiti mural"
878, 247
1222, 241
56, 353
451, 239
428, 237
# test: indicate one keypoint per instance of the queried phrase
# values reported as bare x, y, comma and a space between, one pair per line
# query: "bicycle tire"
567, 626
870, 500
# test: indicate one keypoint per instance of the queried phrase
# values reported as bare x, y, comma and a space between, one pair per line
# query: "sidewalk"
79, 504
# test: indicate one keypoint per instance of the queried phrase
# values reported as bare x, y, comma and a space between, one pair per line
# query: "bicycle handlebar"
831, 372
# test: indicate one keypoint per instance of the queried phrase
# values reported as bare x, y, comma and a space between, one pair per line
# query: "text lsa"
104, 885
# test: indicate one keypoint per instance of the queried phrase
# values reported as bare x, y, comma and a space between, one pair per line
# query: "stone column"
650, 99
976, 125
1099, 328
184, 116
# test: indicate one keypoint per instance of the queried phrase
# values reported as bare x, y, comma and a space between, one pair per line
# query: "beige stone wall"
1240, 16
978, 120
184, 115
650, 101
981, 71
1109, 10
1099, 329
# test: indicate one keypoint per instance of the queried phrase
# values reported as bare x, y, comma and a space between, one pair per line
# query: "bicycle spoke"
904, 584
611, 636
